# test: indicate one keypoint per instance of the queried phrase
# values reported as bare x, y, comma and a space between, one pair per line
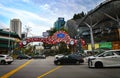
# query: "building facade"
59, 23
8, 41
16, 26
105, 24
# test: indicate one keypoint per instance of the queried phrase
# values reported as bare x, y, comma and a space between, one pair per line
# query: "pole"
9, 43
91, 36
79, 46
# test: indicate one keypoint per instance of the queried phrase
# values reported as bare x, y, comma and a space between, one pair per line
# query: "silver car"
109, 58
5, 59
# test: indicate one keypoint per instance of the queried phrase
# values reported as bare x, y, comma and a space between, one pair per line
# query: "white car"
5, 59
109, 58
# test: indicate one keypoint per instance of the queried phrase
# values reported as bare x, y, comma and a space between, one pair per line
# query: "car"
39, 56
110, 58
23, 57
68, 59
4, 58
58, 56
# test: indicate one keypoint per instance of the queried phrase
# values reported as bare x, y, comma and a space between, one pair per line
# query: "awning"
6, 39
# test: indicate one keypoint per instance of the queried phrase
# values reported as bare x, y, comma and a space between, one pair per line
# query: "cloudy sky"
40, 15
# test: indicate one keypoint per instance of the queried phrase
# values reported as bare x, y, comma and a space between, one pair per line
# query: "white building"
16, 26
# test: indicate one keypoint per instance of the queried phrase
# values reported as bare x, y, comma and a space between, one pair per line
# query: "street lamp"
78, 47
91, 36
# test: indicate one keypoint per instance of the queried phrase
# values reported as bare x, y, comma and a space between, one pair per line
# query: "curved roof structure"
107, 10
12, 34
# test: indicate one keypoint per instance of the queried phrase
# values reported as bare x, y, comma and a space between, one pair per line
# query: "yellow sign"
96, 46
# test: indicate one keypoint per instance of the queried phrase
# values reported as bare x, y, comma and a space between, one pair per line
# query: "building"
16, 26
59, 23
104, 21
8, 41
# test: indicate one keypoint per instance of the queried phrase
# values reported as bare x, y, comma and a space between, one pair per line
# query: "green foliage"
55, 30
45, 45
63, 48
27, 50
78, 16
64, 29
52, 31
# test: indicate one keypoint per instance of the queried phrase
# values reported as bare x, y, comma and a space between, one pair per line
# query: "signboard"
60, 35
106, 45
96, 46
45, 34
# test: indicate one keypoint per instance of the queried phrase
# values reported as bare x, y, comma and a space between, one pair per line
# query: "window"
117, 52
1, 56
108, 54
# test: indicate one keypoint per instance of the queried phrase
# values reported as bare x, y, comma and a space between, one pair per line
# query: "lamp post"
91, 36
78, 47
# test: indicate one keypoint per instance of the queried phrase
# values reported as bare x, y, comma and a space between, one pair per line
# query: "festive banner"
59, 36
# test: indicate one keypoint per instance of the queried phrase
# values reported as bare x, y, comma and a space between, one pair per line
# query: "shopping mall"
105, 23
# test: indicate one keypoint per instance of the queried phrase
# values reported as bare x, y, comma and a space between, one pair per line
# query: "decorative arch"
59, 36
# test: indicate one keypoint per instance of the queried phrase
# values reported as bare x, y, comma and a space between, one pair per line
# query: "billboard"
45, 34
106, 45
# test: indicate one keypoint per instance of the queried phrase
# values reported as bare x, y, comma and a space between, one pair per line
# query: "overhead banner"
59, 36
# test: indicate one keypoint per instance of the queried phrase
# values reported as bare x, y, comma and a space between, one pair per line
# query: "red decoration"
82, 42
52, 39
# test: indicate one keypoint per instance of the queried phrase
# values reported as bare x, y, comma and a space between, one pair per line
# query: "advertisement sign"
96, 46
106, 45
45, 34
60, 35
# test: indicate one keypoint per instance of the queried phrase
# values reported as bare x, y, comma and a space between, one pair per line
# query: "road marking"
15, 70
49, 72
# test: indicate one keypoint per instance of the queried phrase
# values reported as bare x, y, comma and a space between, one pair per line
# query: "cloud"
2, 25
40, 15
45, 6
27, 18
27, 1
35, 29
23, 14
66, 8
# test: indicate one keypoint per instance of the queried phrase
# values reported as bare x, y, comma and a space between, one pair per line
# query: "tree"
78, 16
63, 48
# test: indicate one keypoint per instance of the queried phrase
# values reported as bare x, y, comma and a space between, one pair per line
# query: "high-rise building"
16, 26
59, 23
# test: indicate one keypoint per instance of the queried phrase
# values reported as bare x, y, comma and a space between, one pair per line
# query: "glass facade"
59, 23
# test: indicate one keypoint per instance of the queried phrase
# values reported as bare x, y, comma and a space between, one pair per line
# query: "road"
45, 68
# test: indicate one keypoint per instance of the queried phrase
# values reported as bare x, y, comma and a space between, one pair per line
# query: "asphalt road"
45, 68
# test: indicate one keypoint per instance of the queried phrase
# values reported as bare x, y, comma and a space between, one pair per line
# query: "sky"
40, 15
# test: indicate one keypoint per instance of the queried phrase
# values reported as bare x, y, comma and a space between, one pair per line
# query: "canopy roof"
12, 34
107, 9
